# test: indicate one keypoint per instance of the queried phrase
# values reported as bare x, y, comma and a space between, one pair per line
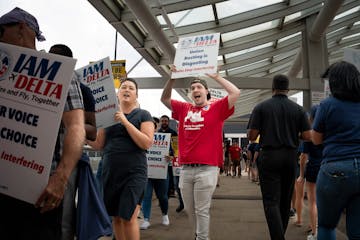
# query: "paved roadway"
236, 213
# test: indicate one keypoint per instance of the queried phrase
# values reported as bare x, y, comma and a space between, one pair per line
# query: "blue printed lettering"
33, 68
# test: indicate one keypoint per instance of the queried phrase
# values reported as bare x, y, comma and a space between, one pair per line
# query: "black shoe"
292, 212
179, 208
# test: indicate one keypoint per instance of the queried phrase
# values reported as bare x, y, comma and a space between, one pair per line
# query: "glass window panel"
288, 37
248, 50
161, 20
292, 16
355, 9
233, 7
250, 30
351, 36
193, 16
285, 55
301, 14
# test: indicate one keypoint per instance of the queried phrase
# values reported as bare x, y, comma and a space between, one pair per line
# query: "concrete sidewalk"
236, 213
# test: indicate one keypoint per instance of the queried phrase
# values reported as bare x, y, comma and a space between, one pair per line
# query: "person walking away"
200, 145
253, 154
337, 127
235, 158
280, 122
227, 162
312, 157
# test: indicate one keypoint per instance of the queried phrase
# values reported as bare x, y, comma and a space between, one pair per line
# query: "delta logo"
198, 41
4, 65
36, 74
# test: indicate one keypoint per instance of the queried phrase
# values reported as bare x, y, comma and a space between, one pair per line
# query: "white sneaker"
145, 225
165, 220
311, 237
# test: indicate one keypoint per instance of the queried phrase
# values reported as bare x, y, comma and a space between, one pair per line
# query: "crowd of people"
324, 145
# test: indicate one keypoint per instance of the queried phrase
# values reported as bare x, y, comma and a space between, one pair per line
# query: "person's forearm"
90, 132
73, 146
230, 88
166, 94
143, 139
98, 143
227, 85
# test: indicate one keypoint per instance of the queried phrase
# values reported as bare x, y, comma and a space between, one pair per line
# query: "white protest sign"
317, 97
157, 165
196, 55
98, 77
33, 91
326, 88
216, 94
352, 56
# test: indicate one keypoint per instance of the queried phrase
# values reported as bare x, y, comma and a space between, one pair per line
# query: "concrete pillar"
314, 59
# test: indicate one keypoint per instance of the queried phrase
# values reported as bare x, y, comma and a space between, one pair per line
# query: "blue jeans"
161, 190
98, 177
338, 188
176, 183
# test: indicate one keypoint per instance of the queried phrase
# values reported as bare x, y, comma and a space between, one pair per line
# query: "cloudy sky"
77, 24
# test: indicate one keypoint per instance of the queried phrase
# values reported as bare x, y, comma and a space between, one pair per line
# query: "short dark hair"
165, 116
344, 81
130, 80
61, 49
280, 82
202, 82
156, 121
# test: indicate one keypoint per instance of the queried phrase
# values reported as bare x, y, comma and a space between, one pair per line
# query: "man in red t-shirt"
235, 157
200, 145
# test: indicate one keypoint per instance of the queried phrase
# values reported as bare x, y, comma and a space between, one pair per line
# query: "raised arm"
231, 89
166, 94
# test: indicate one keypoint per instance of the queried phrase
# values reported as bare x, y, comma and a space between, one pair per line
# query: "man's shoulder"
265, 103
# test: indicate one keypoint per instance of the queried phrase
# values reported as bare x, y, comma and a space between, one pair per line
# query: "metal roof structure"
259, 39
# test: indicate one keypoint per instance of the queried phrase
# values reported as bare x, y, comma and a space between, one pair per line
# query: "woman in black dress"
124, 171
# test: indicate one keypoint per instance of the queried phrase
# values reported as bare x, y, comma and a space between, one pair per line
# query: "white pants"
197, 185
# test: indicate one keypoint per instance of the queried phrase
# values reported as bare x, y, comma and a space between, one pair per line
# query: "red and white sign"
157, 164
196, 55
33, 91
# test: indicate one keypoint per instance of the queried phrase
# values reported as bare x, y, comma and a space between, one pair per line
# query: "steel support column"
142, 12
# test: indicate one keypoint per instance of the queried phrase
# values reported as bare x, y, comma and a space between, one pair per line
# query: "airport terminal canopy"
259, 38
